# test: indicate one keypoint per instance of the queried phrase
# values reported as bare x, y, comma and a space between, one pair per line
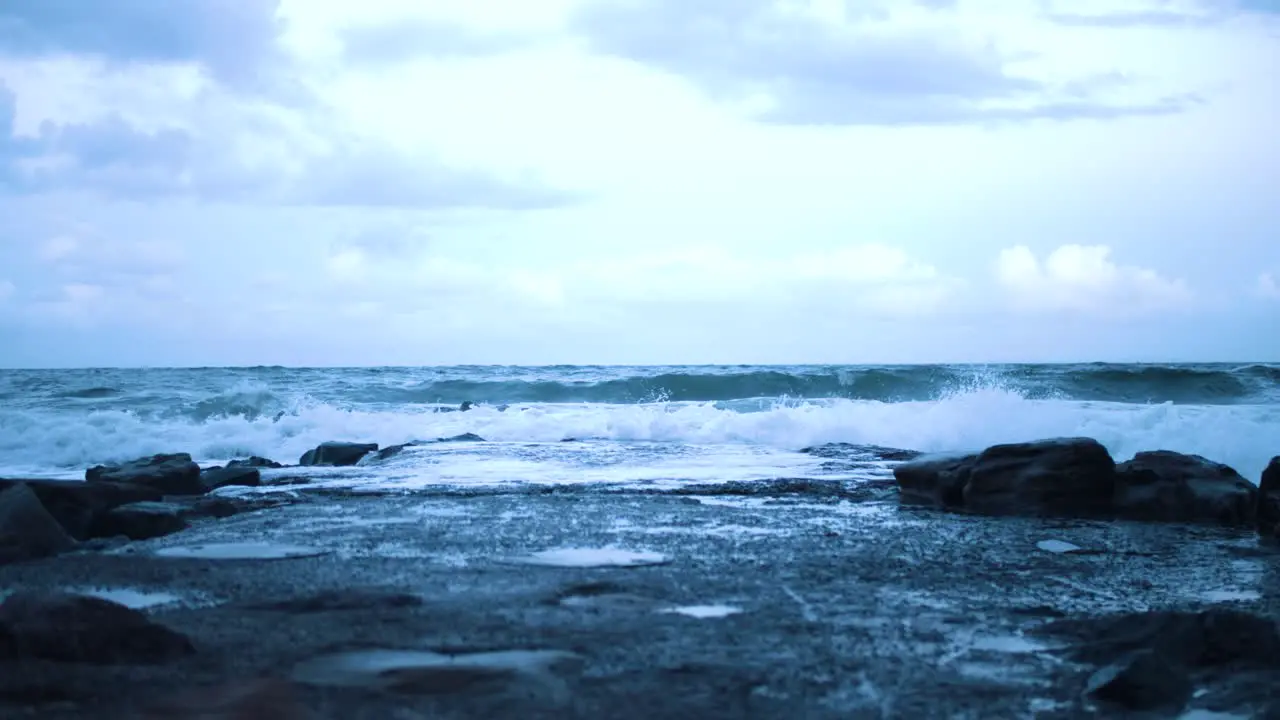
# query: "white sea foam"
48, 443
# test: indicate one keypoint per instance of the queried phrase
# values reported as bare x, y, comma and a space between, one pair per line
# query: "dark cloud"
815, 74
116, 159
409, 39
234, 39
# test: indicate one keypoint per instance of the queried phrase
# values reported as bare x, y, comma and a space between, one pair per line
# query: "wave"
1244, 436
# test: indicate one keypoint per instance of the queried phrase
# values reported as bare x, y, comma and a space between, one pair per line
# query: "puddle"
130, 598
239, 551
1228, 596
1058, 547
1210, 715
1013, 644
705, 612
420, 671
592, 558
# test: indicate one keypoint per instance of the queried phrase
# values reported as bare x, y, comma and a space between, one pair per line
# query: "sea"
651, 426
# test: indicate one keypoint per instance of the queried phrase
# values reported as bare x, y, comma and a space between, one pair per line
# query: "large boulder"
219, 477
1268, 514
76, 505
1063, 476
173, 474
142, 521
337, 453
1173, 487
27, 530
78, 629
255, 462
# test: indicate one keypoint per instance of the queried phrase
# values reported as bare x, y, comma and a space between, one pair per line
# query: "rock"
27, 530
1143, 680
464, 437
1173, 487
1065, 476
1208, 638
937, 481
142, 521
344, 599
170, 474
217, 477
255, 462
269, 699
79, 629
337, 454
394, 450
76, 505
466, 405
1268, 513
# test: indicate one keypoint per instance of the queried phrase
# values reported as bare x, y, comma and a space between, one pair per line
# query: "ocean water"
650, 425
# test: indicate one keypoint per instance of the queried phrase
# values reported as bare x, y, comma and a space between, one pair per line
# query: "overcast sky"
325, 182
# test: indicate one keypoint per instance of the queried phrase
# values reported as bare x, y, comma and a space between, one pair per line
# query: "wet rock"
142, 521
341, 600
389, 452
464, 437
75, 505
841, 451
225, 507
337, 454
1208, 638
937, 481
27, 530
1067, 476
1268, 514
78, 629
1143, 680
1173, 487
217, 477
172, 474
255, 462
465, 406
270, 699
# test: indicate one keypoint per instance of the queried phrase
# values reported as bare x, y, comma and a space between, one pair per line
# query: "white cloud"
1084, 278
1267, 286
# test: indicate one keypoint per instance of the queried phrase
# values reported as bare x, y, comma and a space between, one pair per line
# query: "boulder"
218, 477
172, 474
1065, 476
937, 481
142, 521
262, 699
389, 452
337, 454
76, 505
78, 629
255, 462
1173, 487
1141, 681
1268, 513
27, 530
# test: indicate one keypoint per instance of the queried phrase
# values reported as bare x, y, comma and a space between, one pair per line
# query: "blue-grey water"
627, 424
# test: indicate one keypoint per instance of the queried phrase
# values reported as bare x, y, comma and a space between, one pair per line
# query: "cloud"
411, 38
234, 41
794, 67
1083, 278
7, 290
244, 154
1267, 286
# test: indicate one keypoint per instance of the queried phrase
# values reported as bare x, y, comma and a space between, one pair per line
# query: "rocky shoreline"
792, 598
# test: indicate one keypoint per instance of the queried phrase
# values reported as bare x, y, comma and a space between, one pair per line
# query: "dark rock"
27, 530
255, 462
1065, 476
1172, 487
337, 454
170, 474
464, 437
1143, 680
935, 481
264, 699
842, 451
76, 504
340, 600
1268, 514
142, 521
1208, 638
225, 507
217, 477
394, 450
78, 629
466, 405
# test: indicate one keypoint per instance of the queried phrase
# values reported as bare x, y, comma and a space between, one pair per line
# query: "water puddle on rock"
239, 551
592, 558
425, 672
704, 612
130, 598
1230, 596
1013, 644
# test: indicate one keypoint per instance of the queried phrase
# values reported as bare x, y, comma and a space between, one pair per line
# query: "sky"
427, 182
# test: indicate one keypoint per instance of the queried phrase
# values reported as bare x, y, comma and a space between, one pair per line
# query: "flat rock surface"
796, 605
